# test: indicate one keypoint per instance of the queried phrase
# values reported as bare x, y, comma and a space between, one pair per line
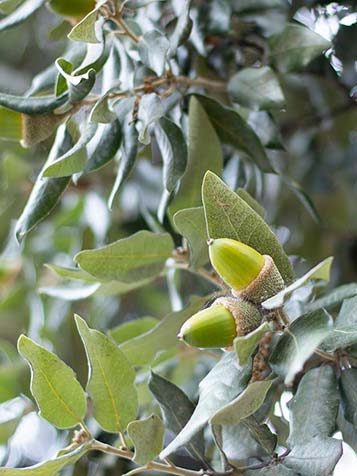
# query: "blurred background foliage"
313, 141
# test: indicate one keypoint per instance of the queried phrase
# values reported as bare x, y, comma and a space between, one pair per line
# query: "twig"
119, 20
153, 466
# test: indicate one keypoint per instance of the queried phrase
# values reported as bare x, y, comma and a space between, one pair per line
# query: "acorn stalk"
219, 324
251, 275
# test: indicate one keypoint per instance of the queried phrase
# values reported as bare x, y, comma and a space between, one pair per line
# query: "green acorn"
251, 276
219, 324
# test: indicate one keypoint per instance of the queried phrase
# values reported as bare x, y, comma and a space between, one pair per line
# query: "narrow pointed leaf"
32, 104
177, 409
46, 192
57, 392
110, 382
232, 129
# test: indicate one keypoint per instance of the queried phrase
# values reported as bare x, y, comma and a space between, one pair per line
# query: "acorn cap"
268, 283
236, 263
219, 324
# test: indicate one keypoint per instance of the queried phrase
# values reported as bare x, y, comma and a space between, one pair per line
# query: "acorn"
219, 324
251, 276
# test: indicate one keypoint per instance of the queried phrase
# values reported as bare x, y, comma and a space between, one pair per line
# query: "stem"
326, 355
160, 467
126, 29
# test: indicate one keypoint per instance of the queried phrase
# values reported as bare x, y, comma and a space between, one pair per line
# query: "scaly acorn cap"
252, 276
219, 324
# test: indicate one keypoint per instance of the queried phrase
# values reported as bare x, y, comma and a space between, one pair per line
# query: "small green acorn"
251, 275
219, 324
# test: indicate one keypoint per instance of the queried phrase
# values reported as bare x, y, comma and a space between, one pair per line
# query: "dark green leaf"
58, 394
262, 434
228, 216
110, 381
21, 14
224, 383
139, 256
295, 46
232, 129
313, 410
191, 224
177, 409
256, 88
32, 105
173, 148
148, 438
46, 192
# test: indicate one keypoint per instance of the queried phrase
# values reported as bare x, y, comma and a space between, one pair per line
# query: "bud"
219, 324
251, 276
